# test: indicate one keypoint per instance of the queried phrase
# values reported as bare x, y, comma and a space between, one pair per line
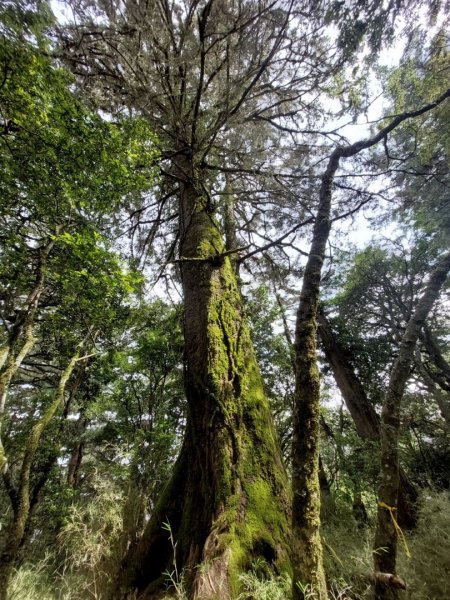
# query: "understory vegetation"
90, 535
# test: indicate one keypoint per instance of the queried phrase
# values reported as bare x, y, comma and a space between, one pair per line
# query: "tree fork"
307, 549
386, 531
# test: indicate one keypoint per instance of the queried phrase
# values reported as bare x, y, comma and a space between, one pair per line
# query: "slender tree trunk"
20, 342
442, 398
386, 534
327, 503
14, 357
227, 503
443, 402
366, 420
307, 551
76, 455
21, 503
307, 547
358, 507
73, 468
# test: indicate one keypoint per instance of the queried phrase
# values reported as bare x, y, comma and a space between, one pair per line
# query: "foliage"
62, 159
81, 182
351, 464
422, 148
274, 359
32, 581
369, 22
174, 578
347, 556
348, 553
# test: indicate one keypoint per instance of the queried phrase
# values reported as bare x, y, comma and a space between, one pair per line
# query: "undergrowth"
266, 587
428, 572
347, 555
31, 582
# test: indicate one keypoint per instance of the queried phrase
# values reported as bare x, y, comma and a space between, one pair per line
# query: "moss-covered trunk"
307, 552
227, 503
309, 576
11, 549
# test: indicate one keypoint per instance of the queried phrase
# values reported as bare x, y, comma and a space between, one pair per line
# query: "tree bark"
227, 503
442, 376
442, 398
385, 543
367, 422
77, 452
73, 468
20, 341
359, 508
307, 547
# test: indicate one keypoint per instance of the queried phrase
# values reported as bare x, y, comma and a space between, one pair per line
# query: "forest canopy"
224, 258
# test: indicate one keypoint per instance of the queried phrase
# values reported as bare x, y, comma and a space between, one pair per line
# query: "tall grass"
348, 554
264, 586
88, 540
90, 533
428, 572
32, 582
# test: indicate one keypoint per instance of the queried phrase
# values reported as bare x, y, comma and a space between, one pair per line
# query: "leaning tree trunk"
386, 531
366, 420
227, 503
442, 398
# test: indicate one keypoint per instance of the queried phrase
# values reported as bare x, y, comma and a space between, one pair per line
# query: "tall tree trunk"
366, 420
20, 341
386, 534
21, 498
73, 468
307, 547
358, 507
227, 503
442, 398
327, 503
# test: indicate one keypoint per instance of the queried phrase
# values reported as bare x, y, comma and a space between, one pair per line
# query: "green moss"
255, 529
249, 503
